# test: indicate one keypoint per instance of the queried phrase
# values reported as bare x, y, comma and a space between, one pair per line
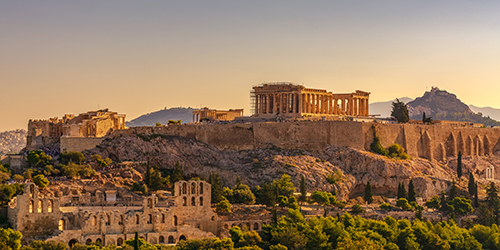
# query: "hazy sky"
135, 57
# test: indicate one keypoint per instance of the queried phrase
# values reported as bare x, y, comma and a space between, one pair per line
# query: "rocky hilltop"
162, 116
442, 105
263, 165
13, 141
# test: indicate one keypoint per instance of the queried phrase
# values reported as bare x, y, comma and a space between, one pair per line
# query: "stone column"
351, 106
285, 103
274, 104
315, 106
354, 106
267, 103
256, 104
367, 108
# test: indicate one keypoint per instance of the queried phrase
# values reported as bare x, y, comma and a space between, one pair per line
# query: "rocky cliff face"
255, 167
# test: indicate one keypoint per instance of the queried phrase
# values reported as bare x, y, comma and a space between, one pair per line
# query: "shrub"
385, 206
357, 209
41, 181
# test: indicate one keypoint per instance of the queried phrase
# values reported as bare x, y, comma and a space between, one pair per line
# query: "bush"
385, 206
41, 181
403, 203
396, 151
223, 207
357, 209
376, 146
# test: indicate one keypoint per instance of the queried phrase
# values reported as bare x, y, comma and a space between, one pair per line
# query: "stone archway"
72, 242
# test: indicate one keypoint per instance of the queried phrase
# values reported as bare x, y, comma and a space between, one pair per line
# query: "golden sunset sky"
135, 57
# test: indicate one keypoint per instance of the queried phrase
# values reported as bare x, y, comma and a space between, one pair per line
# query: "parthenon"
292, 100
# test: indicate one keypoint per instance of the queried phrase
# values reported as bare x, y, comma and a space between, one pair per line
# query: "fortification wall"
79, 143
434, 142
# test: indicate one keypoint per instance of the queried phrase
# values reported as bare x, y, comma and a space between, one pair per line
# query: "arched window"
193, 201
121, 220
256, 226
182, 238
31, 205
94, 220
150, 219
201, 201
161, 240
62, 224
201, 187
32, 190
184, 201
162, 218
171, 239
184, 188
193, 188
175, 220
119, 242
108, 221
40, 206
137, 219
50, 207
88, 241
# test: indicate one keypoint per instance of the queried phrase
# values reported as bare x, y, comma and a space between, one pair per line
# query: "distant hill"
442, 105
162, 116
384, 108
11, 142
493, 113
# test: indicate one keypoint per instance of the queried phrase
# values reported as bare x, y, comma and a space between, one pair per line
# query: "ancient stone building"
216, 115
112, 217
72, 130
292, 100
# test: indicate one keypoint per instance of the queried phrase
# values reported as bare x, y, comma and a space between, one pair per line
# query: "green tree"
368, 193
376, 146
459, 165
472, 184
461, 206
38, 158
411, 192
403, 203
476, 198
303, 190
41, 181
243, 194
177, 174
322, 199
216, 183
157, 182
433, 203
400, 111
10, 239
453, 191
223, 207
46, 245
71, 156
357, 209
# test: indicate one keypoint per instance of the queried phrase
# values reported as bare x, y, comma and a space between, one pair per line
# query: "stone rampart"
434, 142
79, 143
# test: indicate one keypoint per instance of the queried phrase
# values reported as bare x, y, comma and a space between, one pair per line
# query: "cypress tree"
177, 174
303, 190
411, 191
453, 191
136, 241
403, 191
147, 176
476, 198
400, 193
443, 204
216, 188
459, 164
368, 193
423, 118
472, 184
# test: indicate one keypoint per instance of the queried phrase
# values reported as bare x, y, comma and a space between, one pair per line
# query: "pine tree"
472, 184
303, 190
476, 198
459, 165
411, 192
368, 193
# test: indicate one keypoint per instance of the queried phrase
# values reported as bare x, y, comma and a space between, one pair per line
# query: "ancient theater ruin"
293, 100
112, 216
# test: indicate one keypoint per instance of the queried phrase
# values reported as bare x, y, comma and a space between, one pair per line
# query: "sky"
136, 57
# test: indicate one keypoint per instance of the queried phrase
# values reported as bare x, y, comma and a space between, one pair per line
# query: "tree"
177, 174
459, 165
223, 207
403, 203
411, 192
376, 146
41, 181
402, 191
357, 209
147, 175
216, 183
303, 190
322, 199
491, 194
472, 184
433, 203
10, 239
368, 193
453, 191
38, 158
400, 111
461, 206
476, 198
71, 156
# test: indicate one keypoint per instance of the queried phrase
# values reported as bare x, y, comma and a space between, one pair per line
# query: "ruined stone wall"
79, 143
434, 142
